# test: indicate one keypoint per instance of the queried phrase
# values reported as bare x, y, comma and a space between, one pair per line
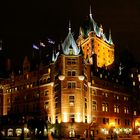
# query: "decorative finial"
69, 26
90, 13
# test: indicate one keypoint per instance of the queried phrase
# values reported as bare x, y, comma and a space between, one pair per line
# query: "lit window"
134, 83
116, 109
105, 107
72, 133
101, 75
125, 98
131, 75
116, 97
126, 110
105, 94
71, 100
15, 88
139, 77
31, 85
135, 113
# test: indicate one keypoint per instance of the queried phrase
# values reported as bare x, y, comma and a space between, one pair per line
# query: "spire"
90, 12
69, 26
101, 30
53, 56
110, 38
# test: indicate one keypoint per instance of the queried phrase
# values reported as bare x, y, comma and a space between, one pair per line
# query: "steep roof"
91, 25
69, 45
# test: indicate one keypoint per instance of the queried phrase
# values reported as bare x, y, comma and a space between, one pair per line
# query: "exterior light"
137, 123
65, 117
18, 131
26, 130
81, 78
52, 83
112, 124
78, 117
49, 70
61, 77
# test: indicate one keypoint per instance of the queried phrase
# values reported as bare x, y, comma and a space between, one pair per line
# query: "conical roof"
69, 45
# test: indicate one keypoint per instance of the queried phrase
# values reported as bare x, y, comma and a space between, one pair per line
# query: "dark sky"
24, 22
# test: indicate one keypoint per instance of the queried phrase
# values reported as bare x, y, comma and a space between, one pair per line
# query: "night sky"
25, 22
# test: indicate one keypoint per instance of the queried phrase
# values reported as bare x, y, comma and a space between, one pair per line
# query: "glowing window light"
26, 130
18, 131
134, 83
104, 131
139, 77
132, 75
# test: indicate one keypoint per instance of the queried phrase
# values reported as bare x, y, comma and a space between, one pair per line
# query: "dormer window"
70, 50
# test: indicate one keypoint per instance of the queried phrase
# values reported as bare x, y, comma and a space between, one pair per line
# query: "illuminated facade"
74, 96
92, 40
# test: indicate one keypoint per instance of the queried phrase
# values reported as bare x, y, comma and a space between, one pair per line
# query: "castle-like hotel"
76, 95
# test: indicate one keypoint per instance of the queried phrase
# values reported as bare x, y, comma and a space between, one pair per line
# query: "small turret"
110, 38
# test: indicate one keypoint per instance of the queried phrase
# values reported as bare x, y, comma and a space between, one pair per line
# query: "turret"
69, 45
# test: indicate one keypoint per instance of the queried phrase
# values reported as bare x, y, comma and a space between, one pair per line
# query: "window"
135, 113
72, 133
85, 119
132, 75
71, 61
101, 76
105, 107
127, 122
105, 94
85, 103
116, 97
117, 121
46, 92
94, 105
56, 102
71, 84
125, 98
46, 105
71, 73
126, 110
71, 100
134, 83
72, 118
116, 109
56, 119
105, 120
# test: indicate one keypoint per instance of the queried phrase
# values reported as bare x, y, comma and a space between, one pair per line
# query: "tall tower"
72, 79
